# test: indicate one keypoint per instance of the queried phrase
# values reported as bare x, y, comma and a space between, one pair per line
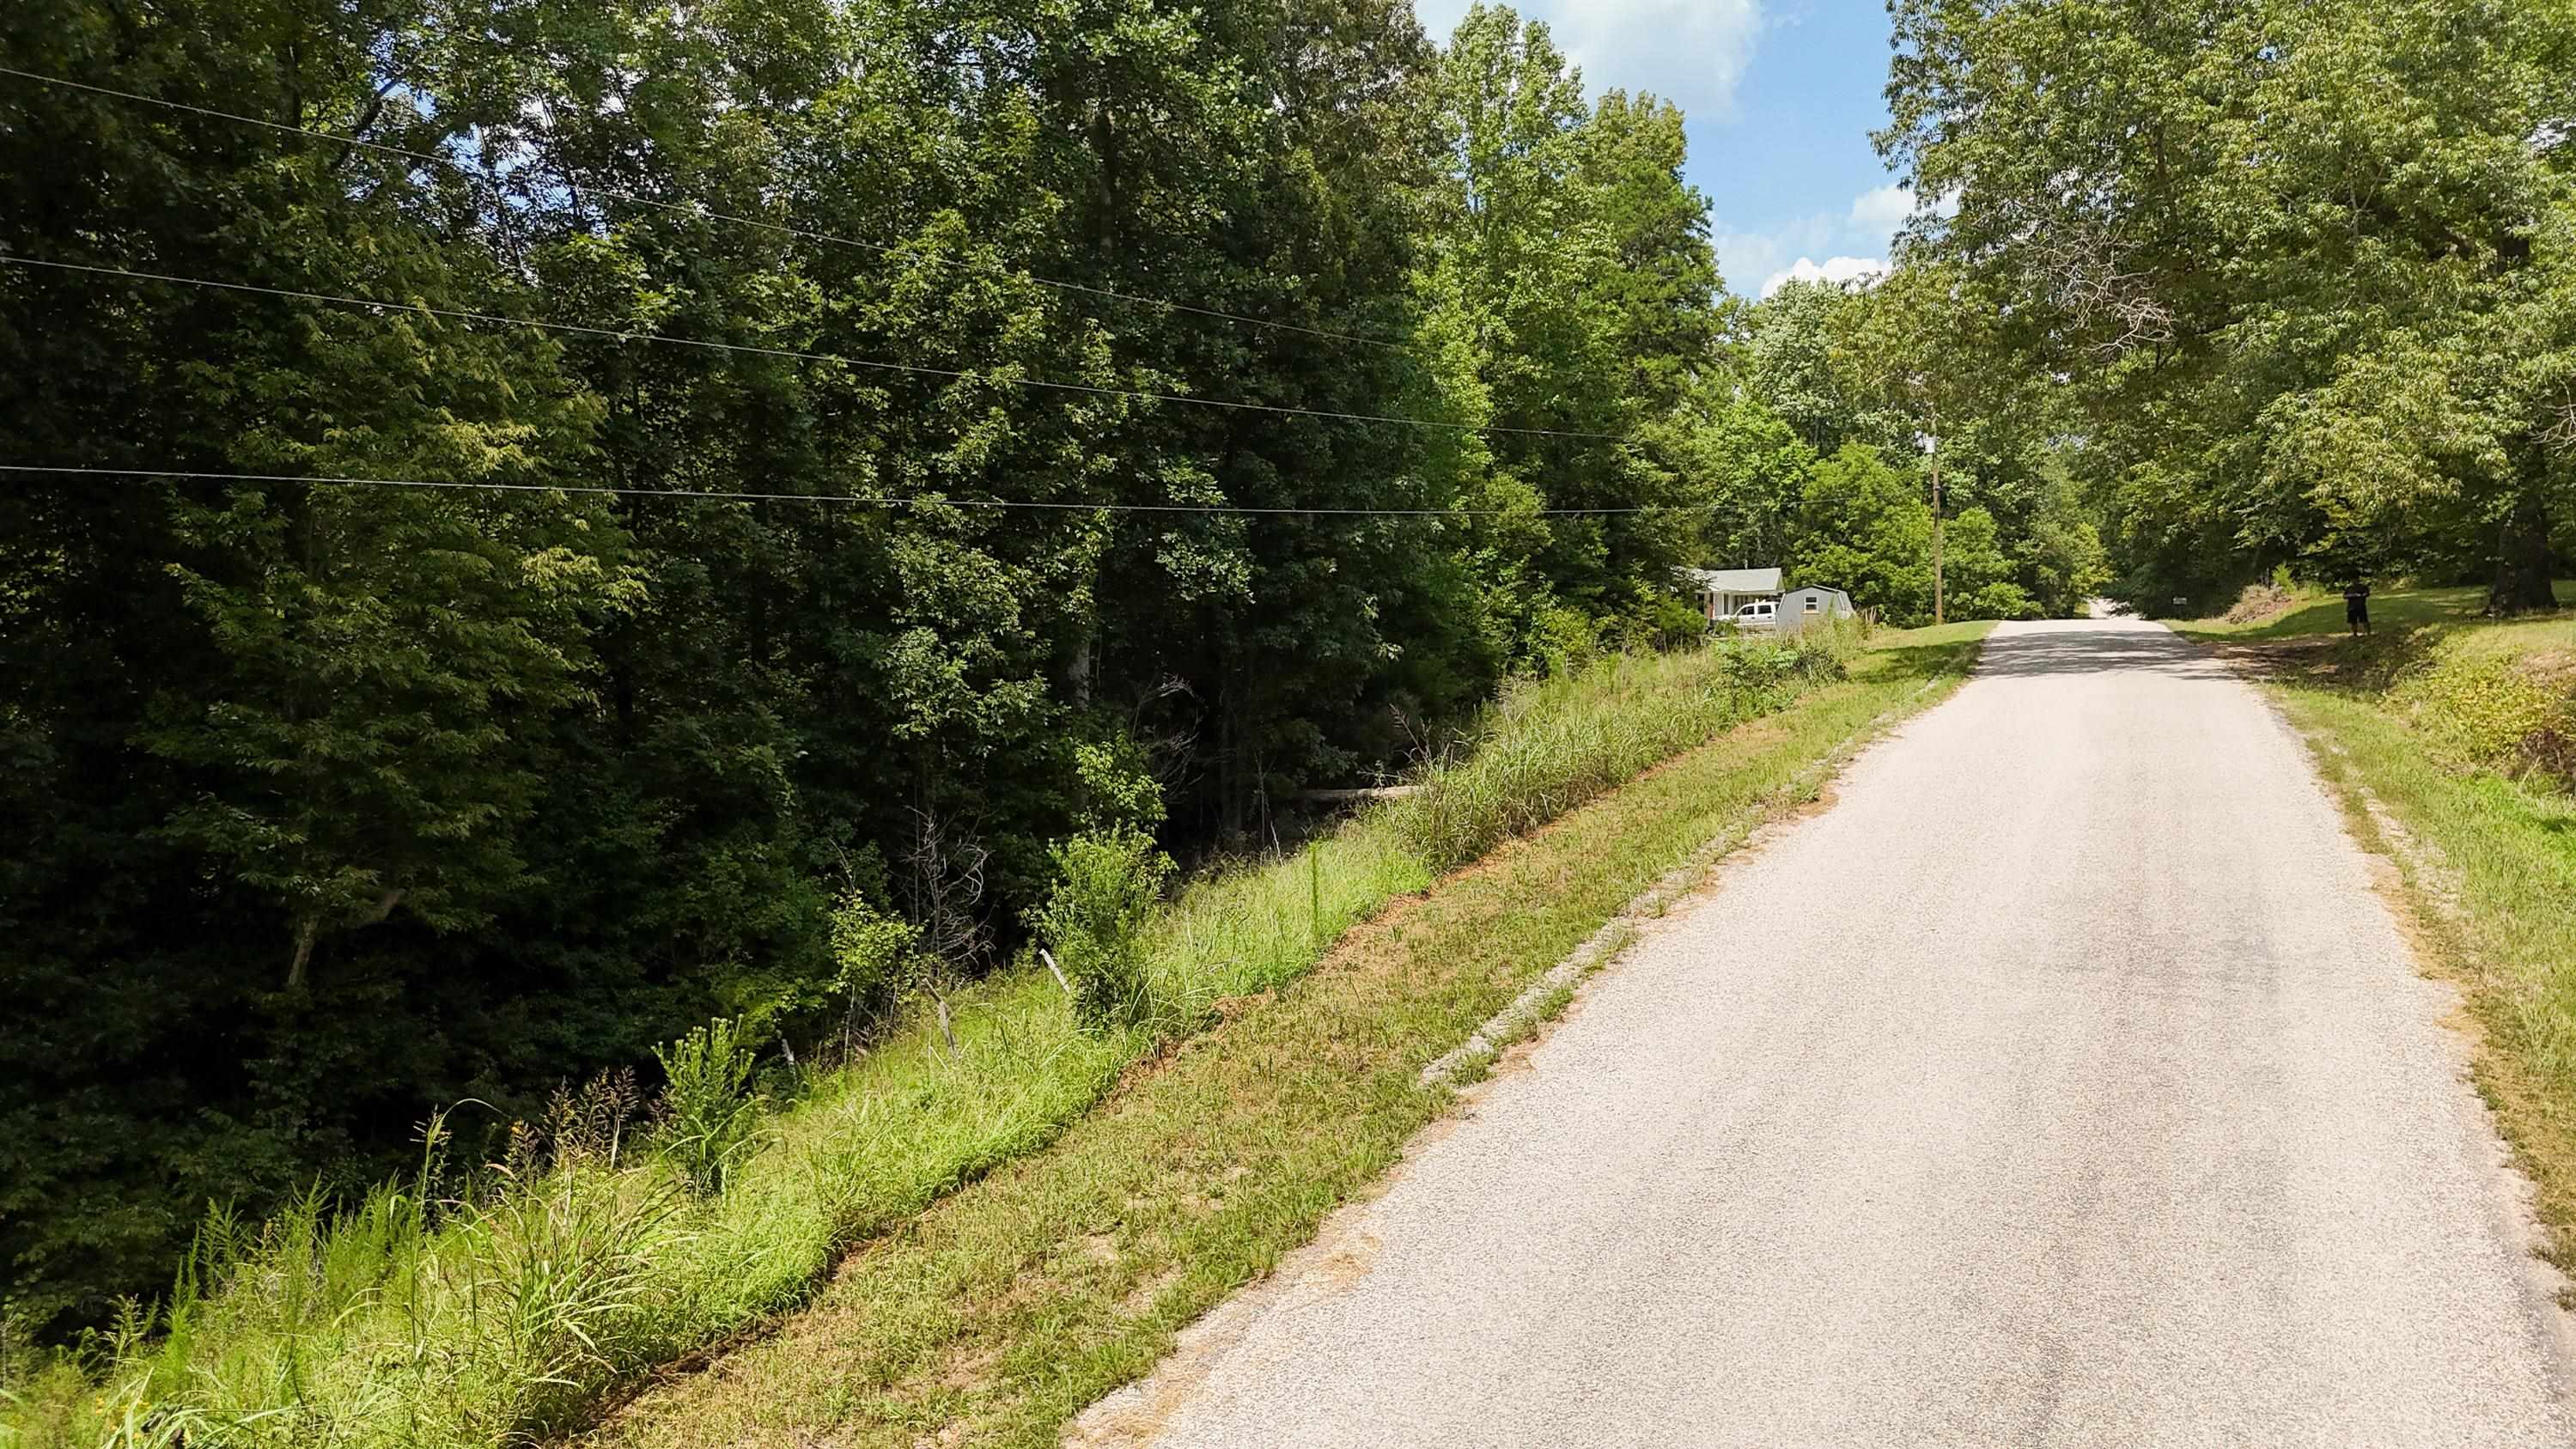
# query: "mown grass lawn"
2422, 717
2396, 609
1001, 1312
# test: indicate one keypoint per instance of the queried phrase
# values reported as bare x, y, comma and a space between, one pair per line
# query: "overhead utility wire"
700, 209
858, 500
624, 334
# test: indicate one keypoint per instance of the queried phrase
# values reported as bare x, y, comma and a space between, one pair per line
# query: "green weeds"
2492, 713
1106, 886
1004, 1309
710, 1115
1551, 745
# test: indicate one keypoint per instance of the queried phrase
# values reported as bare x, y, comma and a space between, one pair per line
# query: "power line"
857, 500
700, 209
624, 334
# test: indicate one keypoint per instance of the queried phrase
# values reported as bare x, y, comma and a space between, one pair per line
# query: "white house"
1800, 607
1726, 590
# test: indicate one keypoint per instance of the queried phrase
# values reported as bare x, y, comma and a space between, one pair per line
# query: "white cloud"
1853, 242
1833, 269
1690, 52
1882, 208
1744, 255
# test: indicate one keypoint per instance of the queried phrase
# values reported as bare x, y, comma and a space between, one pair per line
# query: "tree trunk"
1936, 539
2522, 557
307, 928
1073, 671
1229, 775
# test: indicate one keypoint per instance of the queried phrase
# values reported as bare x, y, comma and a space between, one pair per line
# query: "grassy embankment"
508, 1314
1001, 1312
2462, 731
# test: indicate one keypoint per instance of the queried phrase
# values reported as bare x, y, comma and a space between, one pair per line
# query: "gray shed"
1800, 607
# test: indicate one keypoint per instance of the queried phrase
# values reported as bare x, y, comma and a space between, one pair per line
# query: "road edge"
2415, 885
1134, 1413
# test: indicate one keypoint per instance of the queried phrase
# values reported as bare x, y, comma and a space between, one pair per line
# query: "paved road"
2065, 1083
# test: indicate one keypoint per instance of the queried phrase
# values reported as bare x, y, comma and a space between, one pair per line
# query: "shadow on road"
1921, 661
2104, 650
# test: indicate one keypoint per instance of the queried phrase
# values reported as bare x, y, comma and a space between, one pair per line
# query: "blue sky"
1781, 97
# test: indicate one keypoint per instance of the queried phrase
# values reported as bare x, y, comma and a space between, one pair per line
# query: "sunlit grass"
2393, 610
2496, 888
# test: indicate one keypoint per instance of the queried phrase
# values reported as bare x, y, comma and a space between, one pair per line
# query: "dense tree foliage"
2300, 266
332, 802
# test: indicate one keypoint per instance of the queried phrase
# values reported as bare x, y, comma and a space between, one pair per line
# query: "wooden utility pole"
1935, 452
1932, 452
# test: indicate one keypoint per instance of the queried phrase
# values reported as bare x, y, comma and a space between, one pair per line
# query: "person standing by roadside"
2356, 606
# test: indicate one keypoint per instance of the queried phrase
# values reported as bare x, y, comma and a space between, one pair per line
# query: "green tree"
1981, 578
1572, 305
1864, 527
1796, 361
1749, 463
2272, 248
270, 732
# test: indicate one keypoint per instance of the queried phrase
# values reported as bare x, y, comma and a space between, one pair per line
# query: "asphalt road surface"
2066, 1082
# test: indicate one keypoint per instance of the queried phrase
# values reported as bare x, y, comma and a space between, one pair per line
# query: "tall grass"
1551, 745
502, 1313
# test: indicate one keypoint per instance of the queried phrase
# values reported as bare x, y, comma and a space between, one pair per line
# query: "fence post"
1315, 890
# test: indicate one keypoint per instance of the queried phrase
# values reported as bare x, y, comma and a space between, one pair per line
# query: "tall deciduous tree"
2273, 247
